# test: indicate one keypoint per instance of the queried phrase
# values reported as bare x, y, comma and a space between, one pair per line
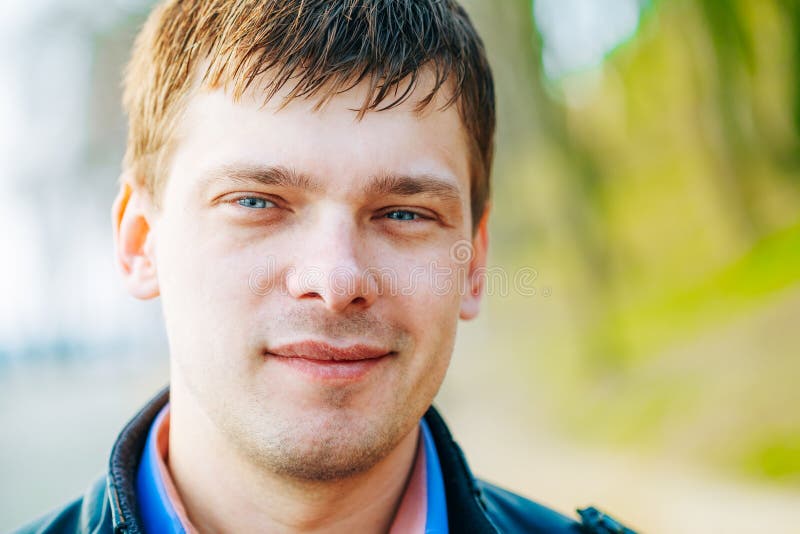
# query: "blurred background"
648, 170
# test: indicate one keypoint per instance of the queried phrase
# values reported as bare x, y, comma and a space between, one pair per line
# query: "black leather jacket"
473, 506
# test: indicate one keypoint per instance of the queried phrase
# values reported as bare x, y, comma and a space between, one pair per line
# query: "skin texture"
243, 266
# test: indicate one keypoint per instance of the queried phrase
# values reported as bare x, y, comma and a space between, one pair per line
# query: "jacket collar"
123, 464
465, 508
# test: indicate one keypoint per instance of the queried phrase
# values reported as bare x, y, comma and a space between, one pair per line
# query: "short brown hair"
322, 47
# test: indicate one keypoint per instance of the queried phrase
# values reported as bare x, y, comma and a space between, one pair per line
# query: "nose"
329, 266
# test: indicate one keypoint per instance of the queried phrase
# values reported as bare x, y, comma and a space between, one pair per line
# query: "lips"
330, 364
325, 352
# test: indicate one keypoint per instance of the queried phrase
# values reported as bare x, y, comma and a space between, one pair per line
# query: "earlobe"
476, 275
133, 240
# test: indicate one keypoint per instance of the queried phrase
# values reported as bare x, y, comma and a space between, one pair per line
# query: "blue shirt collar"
155, 506
159, 515
436, 520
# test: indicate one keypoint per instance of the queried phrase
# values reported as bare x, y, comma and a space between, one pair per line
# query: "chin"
323, 446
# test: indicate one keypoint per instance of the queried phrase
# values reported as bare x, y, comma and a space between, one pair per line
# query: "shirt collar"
436, 519
159, 508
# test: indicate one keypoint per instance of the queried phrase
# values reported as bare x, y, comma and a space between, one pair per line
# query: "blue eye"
402, 215
255, 202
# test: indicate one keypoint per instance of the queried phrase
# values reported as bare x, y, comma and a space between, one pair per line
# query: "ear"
471, 299
132, 217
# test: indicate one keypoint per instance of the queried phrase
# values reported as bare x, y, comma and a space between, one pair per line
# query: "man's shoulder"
88, 514
513, 513
475, 505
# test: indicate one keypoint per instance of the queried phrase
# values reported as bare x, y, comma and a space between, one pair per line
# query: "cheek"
434, 287
206, 288
427, 301
200, 260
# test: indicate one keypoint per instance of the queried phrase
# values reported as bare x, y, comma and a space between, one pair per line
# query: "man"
302, 181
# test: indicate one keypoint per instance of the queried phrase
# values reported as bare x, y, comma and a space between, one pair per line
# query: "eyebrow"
269, 175
385, 184
405, 185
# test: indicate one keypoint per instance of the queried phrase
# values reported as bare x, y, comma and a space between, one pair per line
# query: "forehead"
331, 143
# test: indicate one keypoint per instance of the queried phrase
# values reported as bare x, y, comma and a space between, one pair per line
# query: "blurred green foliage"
658, 197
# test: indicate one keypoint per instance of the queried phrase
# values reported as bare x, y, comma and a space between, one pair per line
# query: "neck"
223, 491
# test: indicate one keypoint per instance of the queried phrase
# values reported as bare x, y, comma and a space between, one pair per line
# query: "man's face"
311, 271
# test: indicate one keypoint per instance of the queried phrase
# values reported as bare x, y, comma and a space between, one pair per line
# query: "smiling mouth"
327, 362
321, 351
